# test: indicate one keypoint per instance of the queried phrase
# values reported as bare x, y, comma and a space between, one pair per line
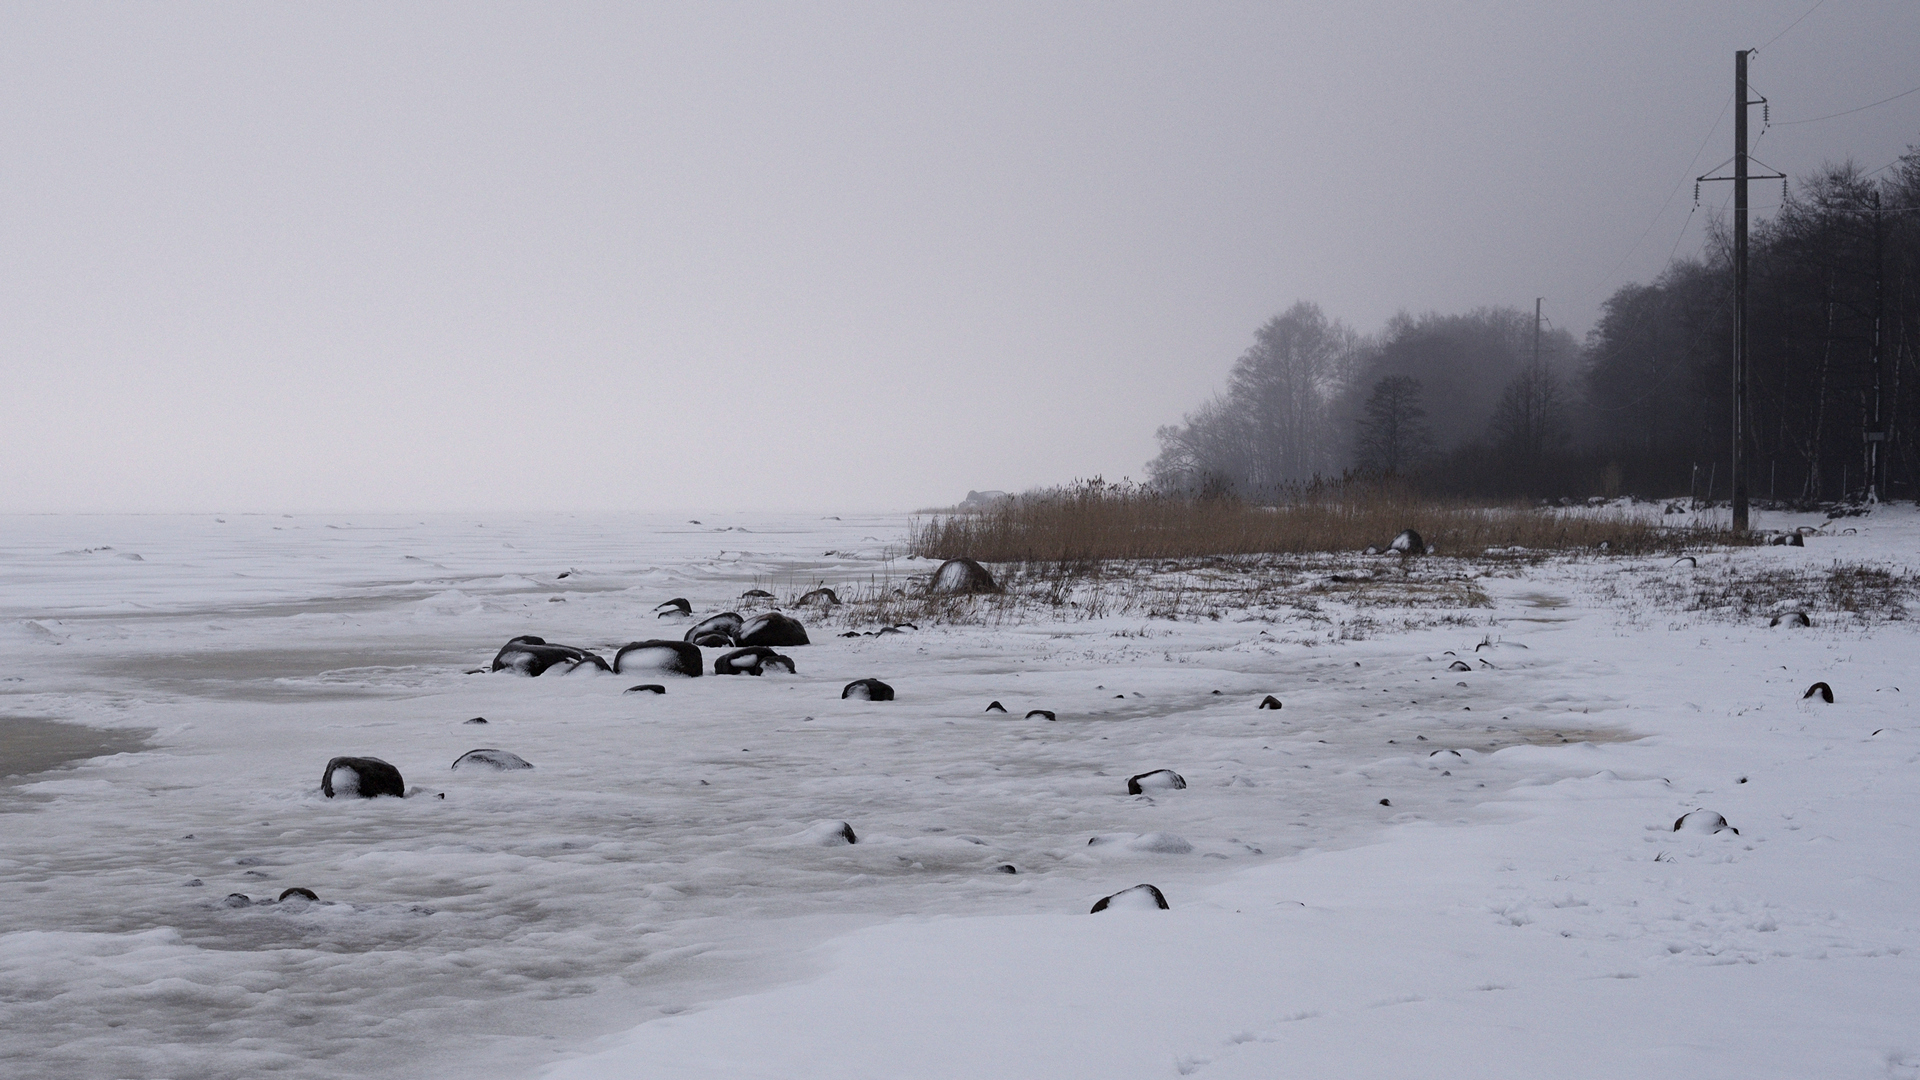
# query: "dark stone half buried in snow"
237, 900
831, 834
1705, 821
1270, 702
752, 660
962, 576
756, 594
491, 759
1044, 714
1459, 665
666, 657
867, 690
1138, 898
304, 894
1820, 688
676, 606
367, 777
726, 625
825, 597
773, 629
1409, 543
851, 633
1792, 618
645, 688
475, 720
1157, 780
529, 655
994, 706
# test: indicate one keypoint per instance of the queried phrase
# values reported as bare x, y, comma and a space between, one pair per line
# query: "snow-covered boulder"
773, 629
1157, 780
367, 777
867, 690
658, 655
1139, 898
500, 760
962, 576
529, 655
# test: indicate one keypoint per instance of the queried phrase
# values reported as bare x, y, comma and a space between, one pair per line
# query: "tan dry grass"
1093, 521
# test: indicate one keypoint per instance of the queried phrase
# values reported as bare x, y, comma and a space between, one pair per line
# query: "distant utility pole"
1876, 435
1740, 179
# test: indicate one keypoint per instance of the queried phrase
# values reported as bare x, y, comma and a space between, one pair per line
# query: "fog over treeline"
1476, 404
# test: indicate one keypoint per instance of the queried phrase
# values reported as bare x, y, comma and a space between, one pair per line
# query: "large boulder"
367, 777
822, 597
529, 655
720, 631
658, 655
773, 629
962, 576
1408, 543
752, 660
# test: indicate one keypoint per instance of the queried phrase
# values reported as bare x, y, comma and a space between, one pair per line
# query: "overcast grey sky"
808, 256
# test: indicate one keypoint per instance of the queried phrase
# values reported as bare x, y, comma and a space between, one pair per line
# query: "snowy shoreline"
642, 894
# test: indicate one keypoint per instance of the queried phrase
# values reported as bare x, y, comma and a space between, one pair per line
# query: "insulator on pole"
1696, 193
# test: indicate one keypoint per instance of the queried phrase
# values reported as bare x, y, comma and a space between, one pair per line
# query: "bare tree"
1393, 433
1274, 424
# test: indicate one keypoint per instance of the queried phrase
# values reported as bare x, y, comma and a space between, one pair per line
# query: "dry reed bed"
1323, 588
1093, 522
1843, 594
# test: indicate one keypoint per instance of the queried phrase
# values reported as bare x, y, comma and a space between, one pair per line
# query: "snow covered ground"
1409, 870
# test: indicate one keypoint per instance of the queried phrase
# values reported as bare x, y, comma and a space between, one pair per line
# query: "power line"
1658, 214
1803, 18
1850, 112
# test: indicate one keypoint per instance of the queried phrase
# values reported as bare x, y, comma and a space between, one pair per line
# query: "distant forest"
1467, 405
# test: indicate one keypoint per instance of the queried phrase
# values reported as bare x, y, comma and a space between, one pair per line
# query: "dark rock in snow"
752, 660
1270, 702
1007, 868
237, 900
867, 690
851, 633
667, 657
676, 606
367, 777
1043, 714
962, 576
305, 894
529, 655
1792, 618
831, 834
1825, 692
492, 759
774, 629
824, 597
1409, 543
1688, 559
1157, 780
994, 706
1459, 665
756, 594
1138, 898
645, 688
1705, 821
716, 631
475, 720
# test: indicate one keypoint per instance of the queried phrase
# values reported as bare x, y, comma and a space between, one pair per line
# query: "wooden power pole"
1740, 292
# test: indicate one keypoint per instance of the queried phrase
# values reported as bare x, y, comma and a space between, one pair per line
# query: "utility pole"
1740, 179
1740, 292
1877, 433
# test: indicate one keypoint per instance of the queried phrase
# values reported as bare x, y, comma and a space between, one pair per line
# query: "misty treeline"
1475, 404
